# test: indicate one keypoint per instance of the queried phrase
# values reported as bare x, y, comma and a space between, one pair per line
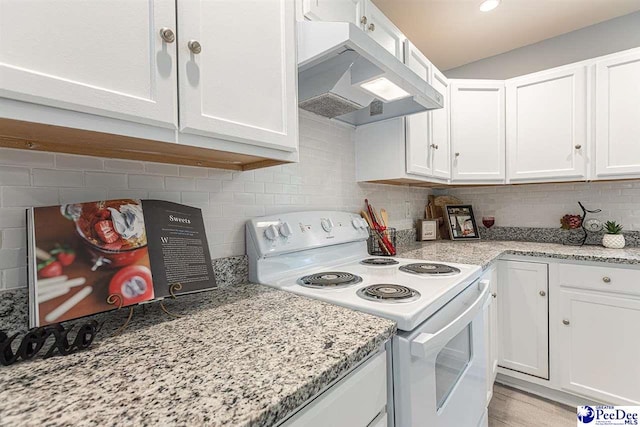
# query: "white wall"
600, 39
324, 179
542, 205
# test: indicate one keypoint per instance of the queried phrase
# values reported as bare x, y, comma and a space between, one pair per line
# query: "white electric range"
438, 354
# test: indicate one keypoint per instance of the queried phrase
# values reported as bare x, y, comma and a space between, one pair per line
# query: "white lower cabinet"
600, 346
523, 317
358, 400
491, 329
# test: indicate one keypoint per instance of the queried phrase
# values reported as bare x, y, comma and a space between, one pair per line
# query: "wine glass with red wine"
488, 221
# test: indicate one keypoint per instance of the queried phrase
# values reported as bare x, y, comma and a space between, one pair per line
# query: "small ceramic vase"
613, 241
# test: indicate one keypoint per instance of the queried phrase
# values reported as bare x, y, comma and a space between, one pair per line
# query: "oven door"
439, 368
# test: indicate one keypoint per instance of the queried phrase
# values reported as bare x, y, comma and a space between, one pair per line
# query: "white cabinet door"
381, 29
618, 115
477, 131
419, 151
523, 314
334, 10
440, 127
491, 330
599, 346
242, 85
547, 126
98, 57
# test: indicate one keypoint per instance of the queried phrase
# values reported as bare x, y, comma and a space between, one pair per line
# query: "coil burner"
430, 269
330, 279
388, 293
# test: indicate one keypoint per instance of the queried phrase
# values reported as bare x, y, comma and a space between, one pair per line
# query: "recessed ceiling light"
488, 5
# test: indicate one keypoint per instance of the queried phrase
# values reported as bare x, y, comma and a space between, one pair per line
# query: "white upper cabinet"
477, 131
419, 151
440, 128
99, 57
334, 10
547, 126
238, 82
617, 117
381, 29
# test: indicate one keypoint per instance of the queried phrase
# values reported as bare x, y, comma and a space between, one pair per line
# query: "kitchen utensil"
68, 304
385, 217
388, 246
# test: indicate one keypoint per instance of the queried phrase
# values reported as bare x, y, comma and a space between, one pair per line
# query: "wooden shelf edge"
41, 137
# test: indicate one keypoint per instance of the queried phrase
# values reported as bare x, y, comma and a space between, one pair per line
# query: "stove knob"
356, 223
285, 229
363, 223
327, 224
271, 232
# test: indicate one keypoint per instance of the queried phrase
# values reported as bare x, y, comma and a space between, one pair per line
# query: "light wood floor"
510, 407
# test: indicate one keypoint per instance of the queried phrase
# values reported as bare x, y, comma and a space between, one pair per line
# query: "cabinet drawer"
604, 279
355, 401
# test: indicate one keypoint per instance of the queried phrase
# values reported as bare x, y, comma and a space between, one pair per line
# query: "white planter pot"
613, 241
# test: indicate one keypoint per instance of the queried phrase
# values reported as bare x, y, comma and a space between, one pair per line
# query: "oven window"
451, 363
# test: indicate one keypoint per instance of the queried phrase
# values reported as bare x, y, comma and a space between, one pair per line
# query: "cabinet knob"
363, 20
457, 154
194, 46
543, 293
494, 295
372, 27
578, 146
606, 279
566, 321
434, 146
167, 35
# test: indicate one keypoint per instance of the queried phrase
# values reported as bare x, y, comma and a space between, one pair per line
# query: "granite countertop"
243, 355
484, 253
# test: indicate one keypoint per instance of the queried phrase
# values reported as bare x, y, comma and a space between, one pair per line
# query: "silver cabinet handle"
372, 27
363, 20
494, 295
543, 293
434, 146
167, 35
566, 321
457, 154
578, 146
606, 279
194, 46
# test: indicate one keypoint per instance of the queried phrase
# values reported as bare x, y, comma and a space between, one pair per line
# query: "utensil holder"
375, 246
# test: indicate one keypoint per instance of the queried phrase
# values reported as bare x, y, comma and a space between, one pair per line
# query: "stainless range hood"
345, 75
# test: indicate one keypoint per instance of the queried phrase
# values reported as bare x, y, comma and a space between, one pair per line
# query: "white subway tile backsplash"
149, 182
180, 184
123, 165
29, 196
69, 161
14, 176
325, 179
10, 156
105, 180
79, 195
57, 178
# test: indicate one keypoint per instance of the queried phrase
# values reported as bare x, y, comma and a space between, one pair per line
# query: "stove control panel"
297, 231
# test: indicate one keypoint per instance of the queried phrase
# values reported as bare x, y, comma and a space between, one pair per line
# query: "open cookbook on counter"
86, 258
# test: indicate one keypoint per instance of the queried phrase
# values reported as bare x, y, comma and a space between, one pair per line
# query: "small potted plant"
613, 238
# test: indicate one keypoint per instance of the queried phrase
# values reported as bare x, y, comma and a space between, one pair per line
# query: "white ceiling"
454, 32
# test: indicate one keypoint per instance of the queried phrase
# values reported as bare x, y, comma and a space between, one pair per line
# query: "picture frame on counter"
427, 229
461, 222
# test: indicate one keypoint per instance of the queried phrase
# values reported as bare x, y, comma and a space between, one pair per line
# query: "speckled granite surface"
486, 252
243, 355
550, 235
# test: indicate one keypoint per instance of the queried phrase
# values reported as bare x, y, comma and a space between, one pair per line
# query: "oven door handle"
424, 343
